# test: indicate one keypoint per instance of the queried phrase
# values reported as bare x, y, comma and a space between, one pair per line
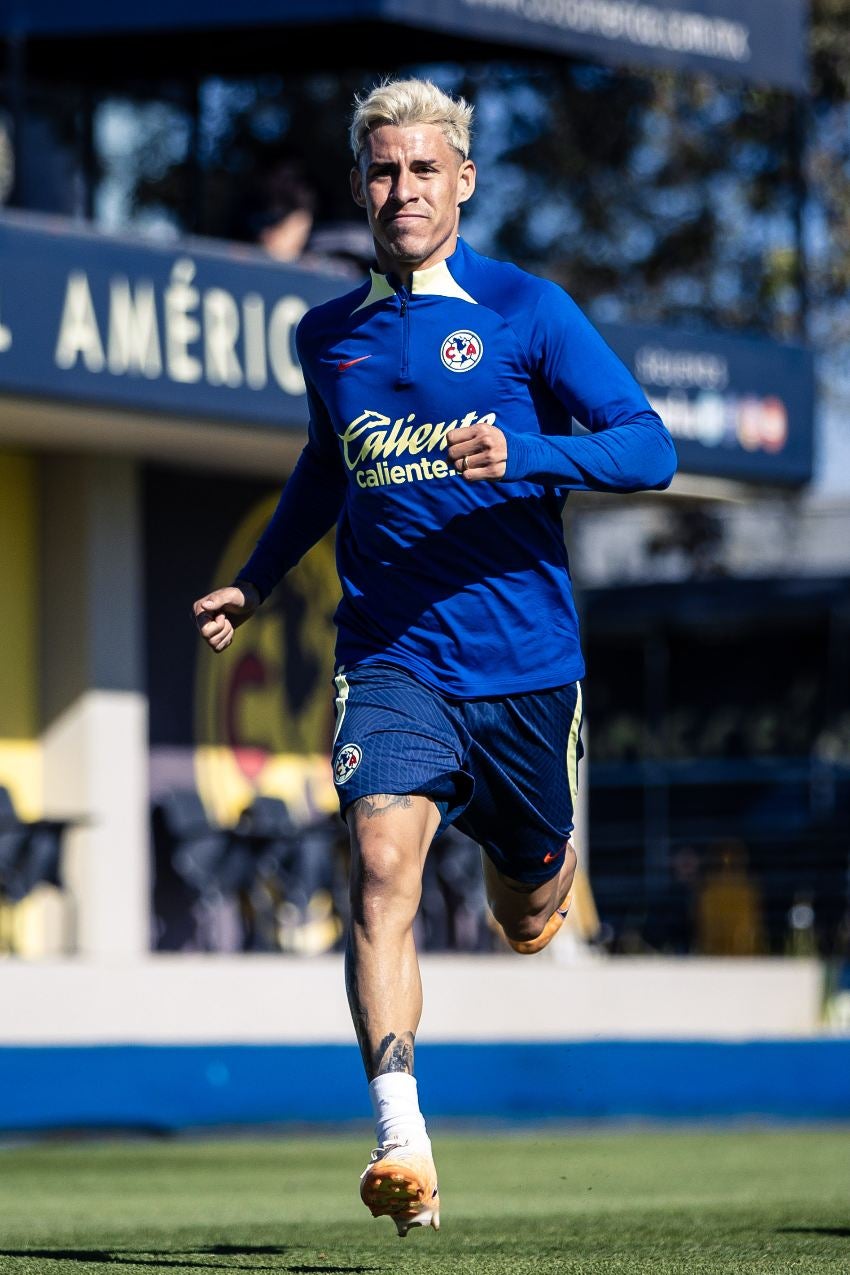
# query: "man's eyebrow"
393, 163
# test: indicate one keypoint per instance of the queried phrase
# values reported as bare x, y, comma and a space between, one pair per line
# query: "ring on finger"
464, 464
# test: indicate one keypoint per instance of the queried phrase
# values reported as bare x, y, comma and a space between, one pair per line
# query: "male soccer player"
441, 393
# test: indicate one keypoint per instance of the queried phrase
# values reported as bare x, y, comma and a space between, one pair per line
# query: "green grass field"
614, 1202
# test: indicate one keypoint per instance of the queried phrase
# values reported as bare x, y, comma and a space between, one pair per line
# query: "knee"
385, 882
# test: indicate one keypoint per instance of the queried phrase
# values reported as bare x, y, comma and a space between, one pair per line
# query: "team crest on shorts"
461, 351
348, 759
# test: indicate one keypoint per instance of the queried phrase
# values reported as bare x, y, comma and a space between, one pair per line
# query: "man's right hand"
217, 614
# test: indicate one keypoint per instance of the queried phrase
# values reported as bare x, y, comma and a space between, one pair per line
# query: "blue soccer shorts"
504, 771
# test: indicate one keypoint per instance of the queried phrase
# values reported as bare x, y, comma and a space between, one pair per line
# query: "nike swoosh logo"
548, 858
340, 367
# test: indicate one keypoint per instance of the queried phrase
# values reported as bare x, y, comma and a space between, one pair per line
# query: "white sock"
395, 1103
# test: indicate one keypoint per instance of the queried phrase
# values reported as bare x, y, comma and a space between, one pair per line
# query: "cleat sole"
396, 1190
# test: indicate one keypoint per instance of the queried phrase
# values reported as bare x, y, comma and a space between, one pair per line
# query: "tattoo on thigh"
395, 1053
380, 803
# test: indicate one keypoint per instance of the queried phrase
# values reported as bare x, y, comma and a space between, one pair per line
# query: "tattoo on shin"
395, 1053
358, 1014
380, 803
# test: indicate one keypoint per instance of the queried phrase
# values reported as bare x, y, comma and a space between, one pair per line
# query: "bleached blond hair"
405, 102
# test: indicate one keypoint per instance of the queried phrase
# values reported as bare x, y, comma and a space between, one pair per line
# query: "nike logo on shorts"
340, 367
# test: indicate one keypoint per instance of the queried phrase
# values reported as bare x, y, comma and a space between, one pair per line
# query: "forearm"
636, 456
308, 507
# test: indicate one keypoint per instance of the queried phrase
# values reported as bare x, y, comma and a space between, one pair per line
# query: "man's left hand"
478, 451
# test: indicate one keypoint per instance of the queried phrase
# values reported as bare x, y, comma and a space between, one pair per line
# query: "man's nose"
404, 187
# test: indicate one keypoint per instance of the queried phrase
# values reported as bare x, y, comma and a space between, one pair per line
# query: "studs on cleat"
427, 1217
402, 1186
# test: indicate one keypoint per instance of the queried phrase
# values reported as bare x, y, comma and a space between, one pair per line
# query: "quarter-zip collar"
437, 281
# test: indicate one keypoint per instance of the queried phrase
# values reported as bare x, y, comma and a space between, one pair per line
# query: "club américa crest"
348, 759
461, 351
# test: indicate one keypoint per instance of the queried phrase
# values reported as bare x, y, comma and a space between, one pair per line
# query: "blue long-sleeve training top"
464, 584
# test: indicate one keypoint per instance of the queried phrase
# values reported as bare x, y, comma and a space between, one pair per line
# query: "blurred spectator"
279, 209
729, 911
346, 245
279, 213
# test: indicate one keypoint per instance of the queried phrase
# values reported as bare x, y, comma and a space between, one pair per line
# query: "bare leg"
390, 836
522, 910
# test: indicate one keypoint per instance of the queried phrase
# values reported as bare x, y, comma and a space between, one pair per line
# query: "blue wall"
173, 1086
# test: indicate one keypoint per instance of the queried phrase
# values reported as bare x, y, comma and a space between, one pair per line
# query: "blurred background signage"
745, 39
211, 334
737, 407
206, 333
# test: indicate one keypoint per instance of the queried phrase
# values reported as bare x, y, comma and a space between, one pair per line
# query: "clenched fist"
478, 451
219, 613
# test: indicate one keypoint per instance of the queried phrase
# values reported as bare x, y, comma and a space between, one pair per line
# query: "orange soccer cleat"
400, 1182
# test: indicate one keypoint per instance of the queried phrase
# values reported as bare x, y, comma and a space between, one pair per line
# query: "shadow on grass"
146, 1257
842, 1231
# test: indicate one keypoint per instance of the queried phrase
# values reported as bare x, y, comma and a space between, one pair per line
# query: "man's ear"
357, 187
465, 181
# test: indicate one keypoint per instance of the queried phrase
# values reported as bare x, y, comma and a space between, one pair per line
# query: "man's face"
411, 183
